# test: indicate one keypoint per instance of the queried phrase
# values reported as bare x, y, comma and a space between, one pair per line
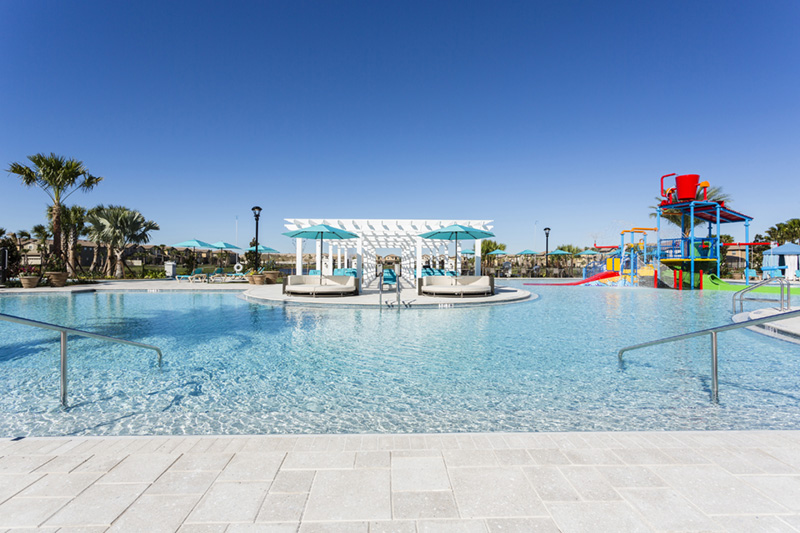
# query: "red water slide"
596, 277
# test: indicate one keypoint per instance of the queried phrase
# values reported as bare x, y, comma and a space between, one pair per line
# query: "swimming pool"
236, 367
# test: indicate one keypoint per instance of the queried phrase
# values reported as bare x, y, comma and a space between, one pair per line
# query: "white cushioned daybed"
315, 285
456, 286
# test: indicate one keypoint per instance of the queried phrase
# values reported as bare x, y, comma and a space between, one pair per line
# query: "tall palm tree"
41, 234
785, 231
126, 227
58, 177
74, 226
715, 194
95, 232
19, 237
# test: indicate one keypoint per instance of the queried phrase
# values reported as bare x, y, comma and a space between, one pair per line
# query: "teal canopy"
194, 243
263, 249
559, 252
527, 252
588, 252
468, 252
222, 245
498, 252
456, 232
321, 231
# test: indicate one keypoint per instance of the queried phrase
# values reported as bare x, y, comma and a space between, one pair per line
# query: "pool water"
236, 367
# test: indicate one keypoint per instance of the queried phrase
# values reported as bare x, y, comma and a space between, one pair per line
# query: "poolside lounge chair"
188, 277
389, 277
217, 275
198, 276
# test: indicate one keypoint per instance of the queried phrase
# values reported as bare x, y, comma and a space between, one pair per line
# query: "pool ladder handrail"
783, 306
72, 331
713, 333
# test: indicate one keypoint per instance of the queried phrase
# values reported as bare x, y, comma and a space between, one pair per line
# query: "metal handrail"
713, 333
783, 282
71, 331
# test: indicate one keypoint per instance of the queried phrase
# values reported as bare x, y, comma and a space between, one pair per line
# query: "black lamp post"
546, 246
257, 215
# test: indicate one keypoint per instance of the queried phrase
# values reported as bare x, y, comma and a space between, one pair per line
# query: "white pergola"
374, 235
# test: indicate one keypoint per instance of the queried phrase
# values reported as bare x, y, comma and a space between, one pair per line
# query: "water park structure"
691, 261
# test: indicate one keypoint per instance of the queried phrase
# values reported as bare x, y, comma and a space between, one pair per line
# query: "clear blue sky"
532, 113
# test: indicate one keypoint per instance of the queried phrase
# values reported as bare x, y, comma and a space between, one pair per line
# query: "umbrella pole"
456, 254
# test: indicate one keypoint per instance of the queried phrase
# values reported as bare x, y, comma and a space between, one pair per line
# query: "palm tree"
783, 232
96, 233
715, 194
19, 237
58, 177
73, 226
41, 234
125, 227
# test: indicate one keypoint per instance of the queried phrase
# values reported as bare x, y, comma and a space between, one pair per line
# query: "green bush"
155, 274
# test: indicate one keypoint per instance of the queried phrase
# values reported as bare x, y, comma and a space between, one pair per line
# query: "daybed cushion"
310, 284
456, 286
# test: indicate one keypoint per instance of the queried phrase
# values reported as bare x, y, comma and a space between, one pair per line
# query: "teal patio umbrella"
497, 253
321, 232
195, 243
468, 252
263, 250
559, 252
456, 232
588, 252
527, 252
222, 245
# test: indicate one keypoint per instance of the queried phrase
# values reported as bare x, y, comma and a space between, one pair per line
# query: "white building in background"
376, 235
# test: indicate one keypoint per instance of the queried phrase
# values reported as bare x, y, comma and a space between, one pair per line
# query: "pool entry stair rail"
712, 332
70, 331
785, 302
381, 282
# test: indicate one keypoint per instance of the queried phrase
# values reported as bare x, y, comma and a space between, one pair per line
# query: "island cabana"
394, 236
784, 259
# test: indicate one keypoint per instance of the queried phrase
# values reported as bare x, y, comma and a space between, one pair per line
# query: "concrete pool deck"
490, 482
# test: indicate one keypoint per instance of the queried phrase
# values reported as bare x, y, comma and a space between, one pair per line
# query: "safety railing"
712, 332
71, 331
380, 291
785, 303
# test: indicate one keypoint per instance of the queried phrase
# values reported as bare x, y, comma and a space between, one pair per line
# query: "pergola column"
419, 256
360, 261
298, 260
478, 246
319, 254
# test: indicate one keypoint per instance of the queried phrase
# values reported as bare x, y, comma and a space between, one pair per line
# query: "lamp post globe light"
257, 215
546, 247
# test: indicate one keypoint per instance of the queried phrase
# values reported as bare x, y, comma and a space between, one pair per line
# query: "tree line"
114, 227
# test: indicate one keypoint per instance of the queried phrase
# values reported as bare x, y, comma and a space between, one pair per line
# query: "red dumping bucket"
687, 187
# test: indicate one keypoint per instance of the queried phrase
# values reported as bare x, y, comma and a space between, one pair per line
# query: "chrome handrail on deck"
783, 282
713, 333
71, 331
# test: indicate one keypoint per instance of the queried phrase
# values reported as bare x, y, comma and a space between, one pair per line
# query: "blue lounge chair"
188, 277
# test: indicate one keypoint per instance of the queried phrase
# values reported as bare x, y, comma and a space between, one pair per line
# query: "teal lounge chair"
188, 277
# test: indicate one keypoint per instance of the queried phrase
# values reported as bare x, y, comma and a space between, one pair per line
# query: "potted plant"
29, 276
257, 279
56, 271
271, 272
